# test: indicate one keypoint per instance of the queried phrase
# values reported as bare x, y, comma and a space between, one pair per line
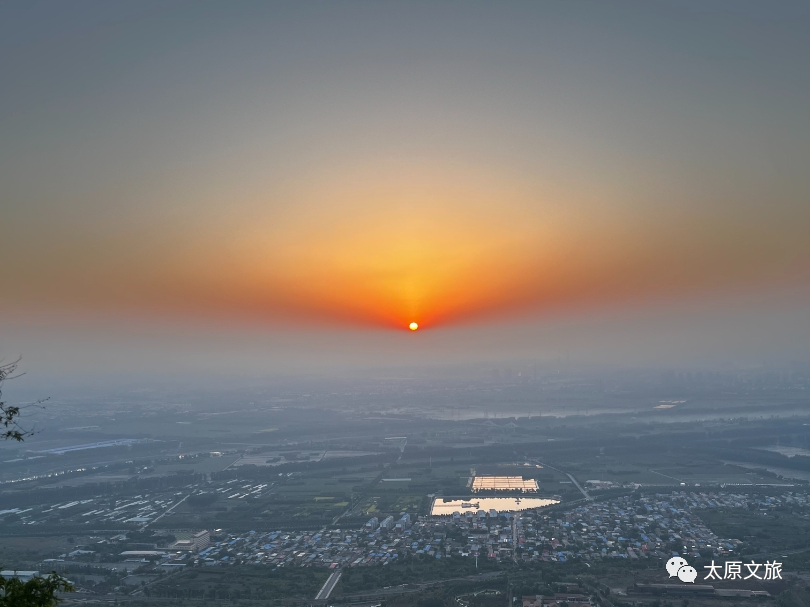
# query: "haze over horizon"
278, 187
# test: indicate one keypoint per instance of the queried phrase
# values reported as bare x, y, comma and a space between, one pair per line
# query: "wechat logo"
676, 566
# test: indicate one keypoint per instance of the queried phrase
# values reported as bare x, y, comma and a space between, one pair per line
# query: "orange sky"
438, 245
385, 165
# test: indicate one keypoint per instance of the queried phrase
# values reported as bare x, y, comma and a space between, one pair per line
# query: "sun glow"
438, 249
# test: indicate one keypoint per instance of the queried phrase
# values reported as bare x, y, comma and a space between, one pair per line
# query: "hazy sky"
491, 170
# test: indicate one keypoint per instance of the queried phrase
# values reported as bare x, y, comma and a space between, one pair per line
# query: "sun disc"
413, 326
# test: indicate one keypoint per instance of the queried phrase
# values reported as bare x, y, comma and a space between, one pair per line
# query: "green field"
778, 530
243, 582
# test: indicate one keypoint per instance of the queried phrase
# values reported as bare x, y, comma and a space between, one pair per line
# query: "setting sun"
413, 326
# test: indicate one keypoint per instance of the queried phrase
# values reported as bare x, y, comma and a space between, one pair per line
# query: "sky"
277, 184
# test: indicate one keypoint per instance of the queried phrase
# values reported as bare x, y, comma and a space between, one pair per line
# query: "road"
411, 588
776, 554
145, 525
328, 586
137, 595
666, 475
573, 480
578, 486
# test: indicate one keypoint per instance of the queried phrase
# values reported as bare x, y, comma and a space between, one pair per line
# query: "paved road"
411, 588
146, 524
666, 475
776, 554
578, 486
573, 480
328, 586
79, 599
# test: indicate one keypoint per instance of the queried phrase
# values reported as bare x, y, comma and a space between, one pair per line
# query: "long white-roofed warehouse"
504, 483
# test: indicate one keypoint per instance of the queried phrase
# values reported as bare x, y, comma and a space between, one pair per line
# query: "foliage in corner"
9, 414
36, 592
